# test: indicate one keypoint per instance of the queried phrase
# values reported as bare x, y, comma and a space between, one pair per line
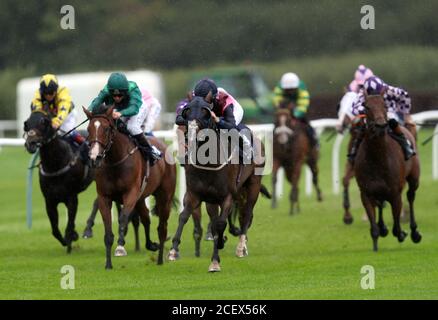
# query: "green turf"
312, 255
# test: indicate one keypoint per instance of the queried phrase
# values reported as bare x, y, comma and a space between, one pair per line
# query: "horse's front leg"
52, 212
218, 228
105, 210
129, 202
190, 203
197, 230
70, 232
371, 212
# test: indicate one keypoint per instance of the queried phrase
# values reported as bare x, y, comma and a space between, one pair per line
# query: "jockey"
56, 101
226, 112
345, 105
153, 109
129, 106
397, 102
292, 90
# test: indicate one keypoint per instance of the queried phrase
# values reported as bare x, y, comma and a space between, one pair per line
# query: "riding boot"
355, 145
150, 153
405, 144
77, 137
311, 134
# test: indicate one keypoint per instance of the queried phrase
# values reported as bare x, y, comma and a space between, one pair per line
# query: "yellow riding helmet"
48, 83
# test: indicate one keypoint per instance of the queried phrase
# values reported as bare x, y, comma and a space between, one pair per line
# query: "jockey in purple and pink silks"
398, 104
361, 74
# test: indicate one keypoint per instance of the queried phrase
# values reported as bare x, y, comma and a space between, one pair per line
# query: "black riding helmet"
204, 86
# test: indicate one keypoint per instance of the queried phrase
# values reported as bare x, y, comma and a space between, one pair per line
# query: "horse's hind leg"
232, 228
349, 173
143, 211
135, 219
383, 230
413, 185
70, 232
312, 162
88, 232
396, 206
197, 230
252, 193
163, 203
52, 212
275, 167
293, 197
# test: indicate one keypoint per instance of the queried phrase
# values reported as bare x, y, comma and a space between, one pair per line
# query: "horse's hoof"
214, 267
273, 206
241, 251
383, 231
69, 249
153, 246
74, 236
120, 252
416, 237
108, 266
401, 237
348, 220
88, 233
173, 255
197, 254
209, 236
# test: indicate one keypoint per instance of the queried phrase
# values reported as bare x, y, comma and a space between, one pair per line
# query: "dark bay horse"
291, 150
354, 127
219, 183
381, 172
62, 174
122, 175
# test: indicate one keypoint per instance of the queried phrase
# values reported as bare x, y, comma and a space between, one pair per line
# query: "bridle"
109, 136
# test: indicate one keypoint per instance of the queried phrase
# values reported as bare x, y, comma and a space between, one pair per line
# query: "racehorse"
381, 172
123, 175
354, 125
62, 174
291, 150
216, 184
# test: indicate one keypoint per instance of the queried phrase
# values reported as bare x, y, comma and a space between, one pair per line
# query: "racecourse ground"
312, 255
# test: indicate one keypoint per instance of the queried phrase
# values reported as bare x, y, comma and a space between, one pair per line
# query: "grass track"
308, 256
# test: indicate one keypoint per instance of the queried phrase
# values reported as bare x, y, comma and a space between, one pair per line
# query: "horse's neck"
119, 148
55, 154
376, 147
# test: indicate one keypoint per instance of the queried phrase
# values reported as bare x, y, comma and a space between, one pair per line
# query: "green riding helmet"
117, 83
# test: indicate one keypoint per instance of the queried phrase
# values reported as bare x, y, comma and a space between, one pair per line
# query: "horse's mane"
101, 109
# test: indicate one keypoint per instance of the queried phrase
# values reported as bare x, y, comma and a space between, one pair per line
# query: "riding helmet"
48, 84
118, 81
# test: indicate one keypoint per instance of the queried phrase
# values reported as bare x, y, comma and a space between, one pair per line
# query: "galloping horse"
62, 174
381, 172
291, 150
218, 185
122, 175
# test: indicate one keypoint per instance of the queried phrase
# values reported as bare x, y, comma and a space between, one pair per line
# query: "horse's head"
101, 130
283, 130
38, 130
376, 113
197, 113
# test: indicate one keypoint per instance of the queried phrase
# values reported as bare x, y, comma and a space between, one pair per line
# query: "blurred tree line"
167, 35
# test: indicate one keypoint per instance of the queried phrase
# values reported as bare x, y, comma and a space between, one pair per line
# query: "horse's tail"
264, 191
175, 205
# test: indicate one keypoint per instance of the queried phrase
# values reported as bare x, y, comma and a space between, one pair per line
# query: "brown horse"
291, 150
221, 184
381, 172
123, 175
355, 126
